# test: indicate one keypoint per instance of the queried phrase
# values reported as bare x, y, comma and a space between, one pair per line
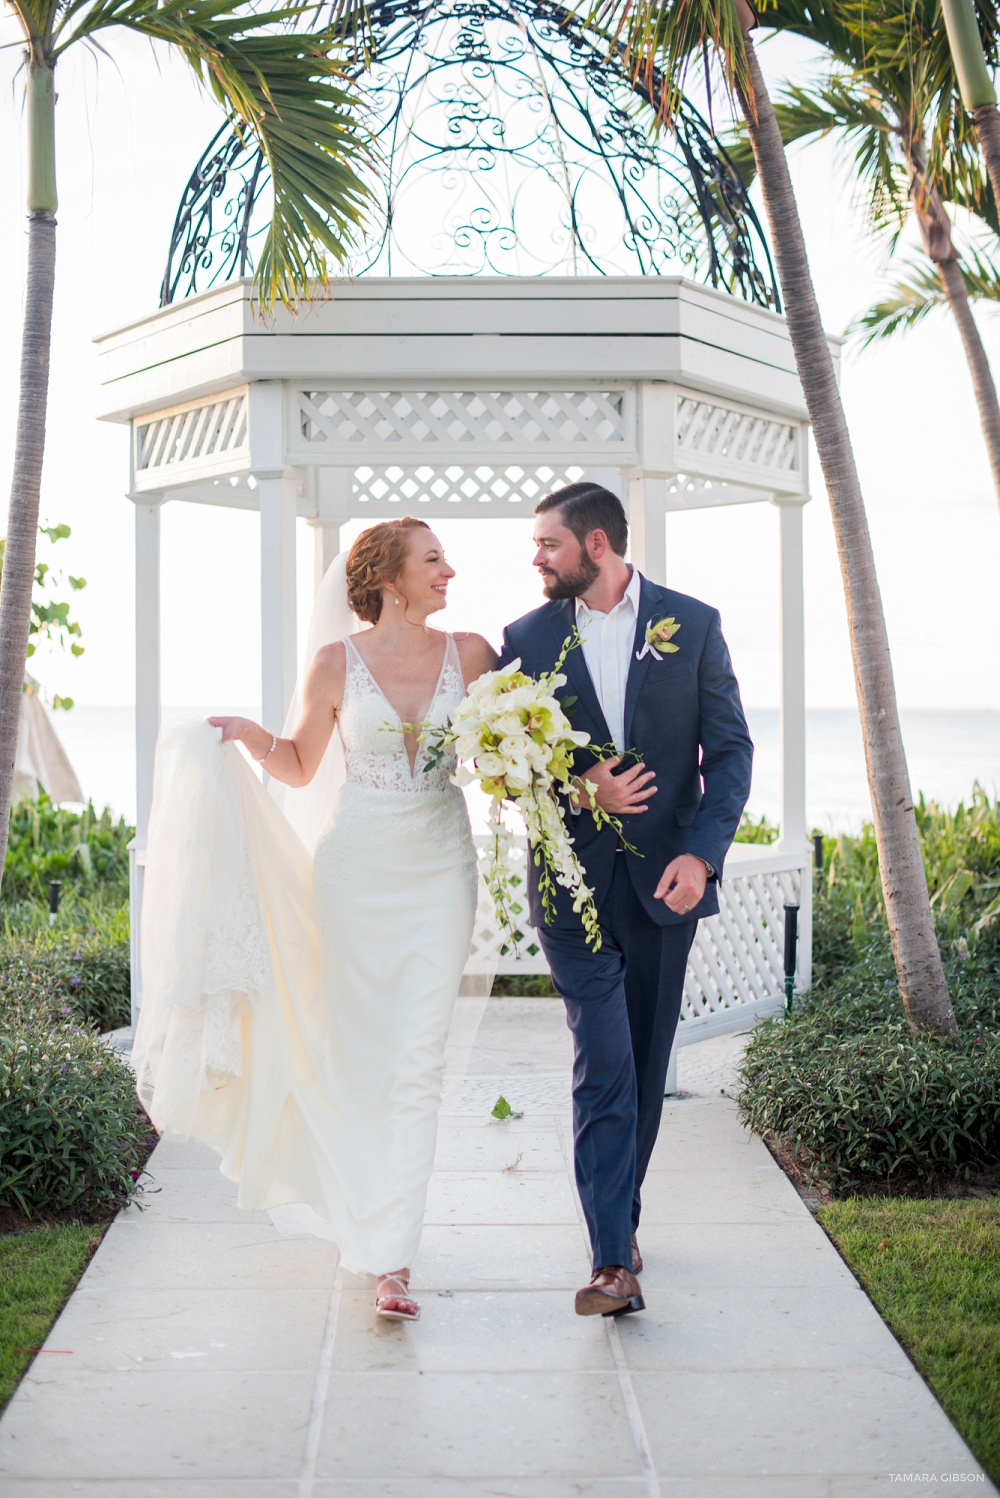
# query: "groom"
678, 782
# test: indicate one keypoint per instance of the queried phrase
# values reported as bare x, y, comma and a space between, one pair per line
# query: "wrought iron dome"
511, 144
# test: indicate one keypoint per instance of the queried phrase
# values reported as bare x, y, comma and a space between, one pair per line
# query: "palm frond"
286, 88
663, 36
919, 291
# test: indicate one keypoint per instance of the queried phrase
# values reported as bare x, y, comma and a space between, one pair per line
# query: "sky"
130, 127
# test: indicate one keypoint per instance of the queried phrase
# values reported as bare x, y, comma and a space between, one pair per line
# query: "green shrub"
86, 978
855, 1098
49, 842
71, 1130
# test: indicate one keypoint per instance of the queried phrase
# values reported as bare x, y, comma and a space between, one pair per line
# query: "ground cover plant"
930, 1269
848, 1096
38, 1272
80, 969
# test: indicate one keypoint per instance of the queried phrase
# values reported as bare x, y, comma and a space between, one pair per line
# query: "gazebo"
469, 393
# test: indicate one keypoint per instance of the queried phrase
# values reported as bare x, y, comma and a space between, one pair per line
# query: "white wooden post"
793, 720
647, 518
278, 491
793, 678
333, 488
326, 539
147, 654
147, 708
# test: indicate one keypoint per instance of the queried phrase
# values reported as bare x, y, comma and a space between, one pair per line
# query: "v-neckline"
394, 710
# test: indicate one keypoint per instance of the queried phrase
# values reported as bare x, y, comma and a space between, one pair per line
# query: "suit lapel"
649, 602
578, 677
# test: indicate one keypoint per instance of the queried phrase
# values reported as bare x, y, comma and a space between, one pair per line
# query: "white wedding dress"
295, 1010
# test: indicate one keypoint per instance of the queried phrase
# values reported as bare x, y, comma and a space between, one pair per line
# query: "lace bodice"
370, 728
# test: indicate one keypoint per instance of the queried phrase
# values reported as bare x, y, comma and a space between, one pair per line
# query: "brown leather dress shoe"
613, 1291
636, 1256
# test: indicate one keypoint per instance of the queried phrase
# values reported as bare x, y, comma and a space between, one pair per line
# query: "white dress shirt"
608, 641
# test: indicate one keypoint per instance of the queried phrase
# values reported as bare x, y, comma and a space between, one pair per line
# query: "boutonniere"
659, 633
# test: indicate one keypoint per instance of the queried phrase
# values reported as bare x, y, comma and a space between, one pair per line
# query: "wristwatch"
708, 867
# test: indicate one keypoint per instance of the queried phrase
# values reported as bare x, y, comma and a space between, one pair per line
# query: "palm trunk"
935, 231
979, 366
29, 446
987, 122
922, 983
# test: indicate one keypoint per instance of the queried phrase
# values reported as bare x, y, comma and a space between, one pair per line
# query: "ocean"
947, 752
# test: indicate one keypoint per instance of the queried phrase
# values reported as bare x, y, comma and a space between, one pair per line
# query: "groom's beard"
570, 584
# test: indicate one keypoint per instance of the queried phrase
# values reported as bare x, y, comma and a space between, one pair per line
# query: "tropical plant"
918, 290
278, 83
50, 842
661, 36
50, 617
889, 89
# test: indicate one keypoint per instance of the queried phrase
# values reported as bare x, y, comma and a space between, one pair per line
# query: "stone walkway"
205, 1357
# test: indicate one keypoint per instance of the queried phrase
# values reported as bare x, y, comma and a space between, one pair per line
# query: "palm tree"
964, 28
664, 34
278, 83
890, 90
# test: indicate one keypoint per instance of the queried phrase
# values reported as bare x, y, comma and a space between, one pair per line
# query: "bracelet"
274, 745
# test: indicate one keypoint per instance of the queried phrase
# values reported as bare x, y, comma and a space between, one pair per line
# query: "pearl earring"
395, 600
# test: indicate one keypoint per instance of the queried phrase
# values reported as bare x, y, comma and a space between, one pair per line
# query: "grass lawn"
38, 1270
932, 1268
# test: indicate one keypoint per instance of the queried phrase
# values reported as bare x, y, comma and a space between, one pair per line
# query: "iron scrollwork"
511, 144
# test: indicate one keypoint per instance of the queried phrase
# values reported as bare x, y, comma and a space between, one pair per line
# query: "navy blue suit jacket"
683, 718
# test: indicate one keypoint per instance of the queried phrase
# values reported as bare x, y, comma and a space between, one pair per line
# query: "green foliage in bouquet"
71, 1130
50, 842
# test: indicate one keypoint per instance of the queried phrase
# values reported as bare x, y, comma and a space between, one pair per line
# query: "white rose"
489, 764
506, 723
515, 744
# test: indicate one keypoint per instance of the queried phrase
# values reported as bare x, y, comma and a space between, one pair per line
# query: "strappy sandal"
388, 1312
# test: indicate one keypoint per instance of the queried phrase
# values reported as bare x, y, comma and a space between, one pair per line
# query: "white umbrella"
41, 760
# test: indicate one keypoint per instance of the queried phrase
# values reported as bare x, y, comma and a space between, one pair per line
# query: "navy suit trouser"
622, 1006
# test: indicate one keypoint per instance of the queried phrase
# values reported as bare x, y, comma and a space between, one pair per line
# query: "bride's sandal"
394, 1307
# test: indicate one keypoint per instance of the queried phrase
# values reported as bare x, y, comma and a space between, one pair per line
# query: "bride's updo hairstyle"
377, 557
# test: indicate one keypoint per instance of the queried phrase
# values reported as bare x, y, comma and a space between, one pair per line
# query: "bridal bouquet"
510, 734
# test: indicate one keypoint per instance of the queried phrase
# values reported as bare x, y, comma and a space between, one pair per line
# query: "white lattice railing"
736, 968
438, 491
708, 429
201, 440
424, 418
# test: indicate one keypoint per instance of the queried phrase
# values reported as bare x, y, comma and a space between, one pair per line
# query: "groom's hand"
620, 795
683, 883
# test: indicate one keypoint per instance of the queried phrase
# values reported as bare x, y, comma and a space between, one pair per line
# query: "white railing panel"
736, 969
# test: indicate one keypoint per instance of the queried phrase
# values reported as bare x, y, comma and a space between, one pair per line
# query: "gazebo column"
647, 518
278, 491
333, 491
793, 717
147, 654
147, 708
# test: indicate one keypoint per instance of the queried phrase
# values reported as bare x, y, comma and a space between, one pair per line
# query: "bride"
295, 1013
